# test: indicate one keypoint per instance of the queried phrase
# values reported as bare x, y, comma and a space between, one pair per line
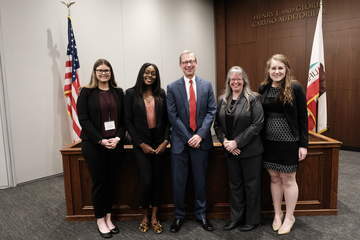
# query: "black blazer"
89, 114
136, 121
295, 113
246, 127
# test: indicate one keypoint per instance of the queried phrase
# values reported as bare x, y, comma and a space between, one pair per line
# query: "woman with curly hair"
285, 136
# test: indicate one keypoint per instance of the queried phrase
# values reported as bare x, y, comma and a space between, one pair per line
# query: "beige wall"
4, 158
127, 32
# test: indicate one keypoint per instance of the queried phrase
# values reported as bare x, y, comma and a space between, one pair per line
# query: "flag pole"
316, 89
72, 83
68, 5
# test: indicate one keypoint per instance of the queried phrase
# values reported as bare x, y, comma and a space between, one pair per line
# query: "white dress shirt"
187, 86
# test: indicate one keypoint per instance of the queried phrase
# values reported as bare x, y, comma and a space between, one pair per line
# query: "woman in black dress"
101, 116
285, 136
147, 124
239, 120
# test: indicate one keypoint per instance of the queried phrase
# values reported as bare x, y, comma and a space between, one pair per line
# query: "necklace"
148, 99
231, 105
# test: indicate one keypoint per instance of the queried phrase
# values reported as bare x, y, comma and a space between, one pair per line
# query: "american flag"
72, 85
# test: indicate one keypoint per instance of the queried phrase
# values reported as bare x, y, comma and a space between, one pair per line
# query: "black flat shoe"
247, 227
115, 230
206, 225
105, 235
230, 225
176, 225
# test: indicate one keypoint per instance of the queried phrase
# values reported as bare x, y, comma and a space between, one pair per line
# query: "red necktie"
192, 107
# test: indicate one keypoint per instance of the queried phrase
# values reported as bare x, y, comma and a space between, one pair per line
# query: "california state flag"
315, 94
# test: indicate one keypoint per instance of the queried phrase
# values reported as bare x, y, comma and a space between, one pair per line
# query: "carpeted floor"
36, 211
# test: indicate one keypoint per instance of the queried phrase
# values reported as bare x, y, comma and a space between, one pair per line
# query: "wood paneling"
220, 32
238, 43
317, 179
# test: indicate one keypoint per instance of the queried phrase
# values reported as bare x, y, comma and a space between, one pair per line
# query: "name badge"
110, 125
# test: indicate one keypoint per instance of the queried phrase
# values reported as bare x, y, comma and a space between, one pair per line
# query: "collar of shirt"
187, 86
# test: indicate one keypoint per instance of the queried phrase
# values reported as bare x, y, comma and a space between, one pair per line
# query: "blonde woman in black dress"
285, 136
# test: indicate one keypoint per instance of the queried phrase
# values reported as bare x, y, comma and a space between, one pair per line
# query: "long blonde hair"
286, 94
227, 96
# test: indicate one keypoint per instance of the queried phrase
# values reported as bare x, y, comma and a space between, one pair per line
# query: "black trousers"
245, 189
103, 165
150, 173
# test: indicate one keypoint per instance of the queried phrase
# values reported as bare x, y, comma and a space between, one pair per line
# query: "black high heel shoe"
105, 235
115, 230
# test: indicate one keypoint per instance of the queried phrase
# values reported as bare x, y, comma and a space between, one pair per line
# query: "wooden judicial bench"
317, 178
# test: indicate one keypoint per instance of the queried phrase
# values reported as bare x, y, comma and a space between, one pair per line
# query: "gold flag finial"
68, 5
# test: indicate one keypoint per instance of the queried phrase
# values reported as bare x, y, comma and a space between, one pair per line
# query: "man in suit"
191, 110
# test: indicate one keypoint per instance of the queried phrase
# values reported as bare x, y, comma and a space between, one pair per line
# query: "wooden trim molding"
317, 178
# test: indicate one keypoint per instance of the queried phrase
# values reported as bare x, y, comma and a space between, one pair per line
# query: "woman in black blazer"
285, 136
239, 120
101, 116
147, 123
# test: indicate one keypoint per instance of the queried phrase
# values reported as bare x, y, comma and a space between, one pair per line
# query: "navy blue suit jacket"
178, 113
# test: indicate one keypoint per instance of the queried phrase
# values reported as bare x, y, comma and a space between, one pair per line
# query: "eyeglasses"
102, 71
189, 61
235, 79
